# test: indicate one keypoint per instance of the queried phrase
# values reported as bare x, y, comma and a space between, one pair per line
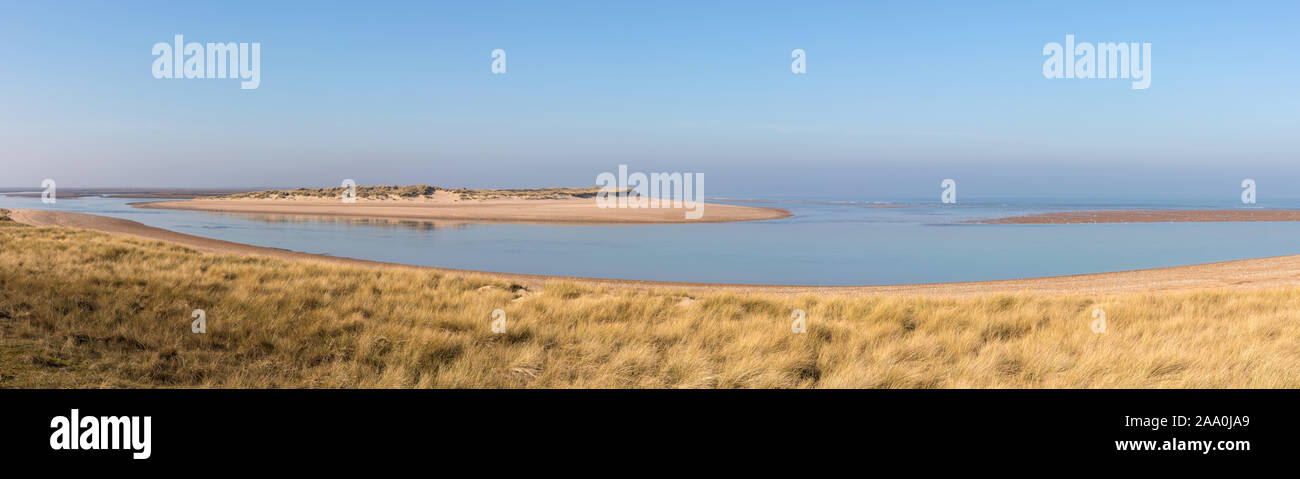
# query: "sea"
829, 241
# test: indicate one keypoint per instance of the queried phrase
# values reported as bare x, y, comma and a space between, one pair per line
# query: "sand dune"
1148, 216
1252, 273
558, 211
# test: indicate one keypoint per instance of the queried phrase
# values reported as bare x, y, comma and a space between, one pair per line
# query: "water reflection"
394, 223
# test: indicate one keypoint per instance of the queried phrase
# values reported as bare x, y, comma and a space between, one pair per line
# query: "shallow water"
828, 241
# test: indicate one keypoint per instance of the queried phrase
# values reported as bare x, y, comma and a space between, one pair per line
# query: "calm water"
827, 242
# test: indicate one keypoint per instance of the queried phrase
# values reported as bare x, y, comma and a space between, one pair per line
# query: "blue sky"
898, 95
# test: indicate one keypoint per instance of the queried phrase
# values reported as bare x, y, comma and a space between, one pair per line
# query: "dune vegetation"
393, 192
84, 309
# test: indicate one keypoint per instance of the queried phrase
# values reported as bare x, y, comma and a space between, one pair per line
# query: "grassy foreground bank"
86, 309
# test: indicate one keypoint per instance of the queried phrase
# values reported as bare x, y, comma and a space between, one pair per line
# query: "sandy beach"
446, 208
1271, 272
1148, 216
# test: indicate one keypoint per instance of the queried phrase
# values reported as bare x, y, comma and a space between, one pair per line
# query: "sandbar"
578, 211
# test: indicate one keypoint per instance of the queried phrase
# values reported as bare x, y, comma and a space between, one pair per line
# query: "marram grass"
88, 310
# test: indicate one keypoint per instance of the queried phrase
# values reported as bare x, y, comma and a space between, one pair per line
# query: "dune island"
424, 202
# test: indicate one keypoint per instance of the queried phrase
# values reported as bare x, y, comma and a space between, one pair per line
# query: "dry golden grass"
84, 309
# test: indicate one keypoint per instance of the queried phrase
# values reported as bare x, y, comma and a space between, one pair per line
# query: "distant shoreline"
1148, 216
160, 193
